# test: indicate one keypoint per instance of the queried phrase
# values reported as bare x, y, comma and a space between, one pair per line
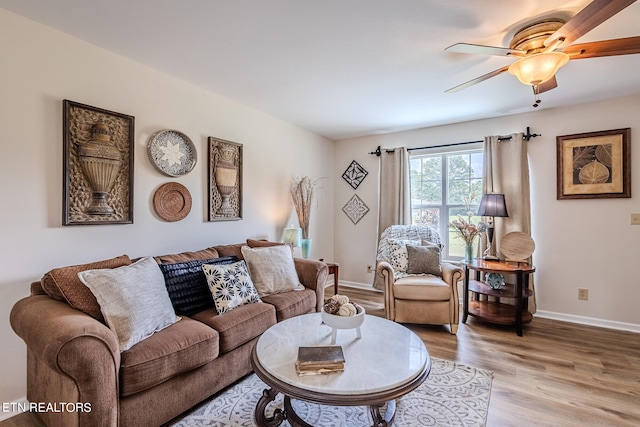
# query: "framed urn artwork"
594, 165
98, 166
225, 180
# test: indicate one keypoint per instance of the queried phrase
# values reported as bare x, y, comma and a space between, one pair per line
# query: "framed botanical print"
594, 165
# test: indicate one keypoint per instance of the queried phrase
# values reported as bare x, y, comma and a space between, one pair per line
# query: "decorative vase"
468, 251
306, 248
100, 161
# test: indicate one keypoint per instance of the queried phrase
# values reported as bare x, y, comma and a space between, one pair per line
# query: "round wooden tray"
172, 201
517, 246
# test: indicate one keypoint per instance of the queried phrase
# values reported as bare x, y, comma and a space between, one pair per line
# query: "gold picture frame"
225, 180
98, 165
594, 165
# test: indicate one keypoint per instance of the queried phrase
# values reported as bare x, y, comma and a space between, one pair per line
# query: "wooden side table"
333, 269
495, 311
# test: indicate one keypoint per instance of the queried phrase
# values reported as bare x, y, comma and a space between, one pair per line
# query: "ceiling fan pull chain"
536, 94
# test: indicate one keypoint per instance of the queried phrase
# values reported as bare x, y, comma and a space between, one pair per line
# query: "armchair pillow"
424, 260
272, 269
230, 285
133, 300
398, 257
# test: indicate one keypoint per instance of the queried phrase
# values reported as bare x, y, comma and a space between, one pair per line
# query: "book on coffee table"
320, 360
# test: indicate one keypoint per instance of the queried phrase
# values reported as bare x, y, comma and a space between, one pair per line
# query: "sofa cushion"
272, 269
133, 300
290, 304
187, 284
421, 288
240, 325
63, 284
179, 348
252, 243
230, 285
230, 250
424, 260
208, 253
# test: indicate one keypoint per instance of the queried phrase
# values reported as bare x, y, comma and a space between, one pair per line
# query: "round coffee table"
388, 362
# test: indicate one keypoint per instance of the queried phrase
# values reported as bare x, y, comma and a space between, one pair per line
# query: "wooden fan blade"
477, 80
594, 14
624, 46
552, 83
478, 49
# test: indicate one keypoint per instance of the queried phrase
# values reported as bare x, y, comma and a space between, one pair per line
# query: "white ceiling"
345, 68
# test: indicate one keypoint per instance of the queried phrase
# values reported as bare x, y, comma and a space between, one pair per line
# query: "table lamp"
292, 235
492, 205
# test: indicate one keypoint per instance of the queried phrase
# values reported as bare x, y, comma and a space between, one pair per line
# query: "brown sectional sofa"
74, 357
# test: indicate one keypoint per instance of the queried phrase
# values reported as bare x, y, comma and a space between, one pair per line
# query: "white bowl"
344, 322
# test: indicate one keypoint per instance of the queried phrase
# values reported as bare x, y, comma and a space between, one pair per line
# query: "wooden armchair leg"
454, 328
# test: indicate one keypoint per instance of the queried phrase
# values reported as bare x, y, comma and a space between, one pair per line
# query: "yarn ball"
331, 306
342, 299
347, 309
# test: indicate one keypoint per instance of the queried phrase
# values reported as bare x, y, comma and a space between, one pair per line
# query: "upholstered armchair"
418, 287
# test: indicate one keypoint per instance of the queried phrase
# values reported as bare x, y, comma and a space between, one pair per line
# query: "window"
444, 185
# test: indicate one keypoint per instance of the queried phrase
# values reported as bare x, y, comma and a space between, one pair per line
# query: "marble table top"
388, 355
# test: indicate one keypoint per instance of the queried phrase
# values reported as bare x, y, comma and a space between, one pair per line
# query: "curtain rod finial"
378, 152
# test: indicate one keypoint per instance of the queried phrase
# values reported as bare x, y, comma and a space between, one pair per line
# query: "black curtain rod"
527, 137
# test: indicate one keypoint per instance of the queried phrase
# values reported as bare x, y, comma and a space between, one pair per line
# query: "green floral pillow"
230, 285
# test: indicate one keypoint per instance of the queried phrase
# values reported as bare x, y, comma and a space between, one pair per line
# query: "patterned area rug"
453, 395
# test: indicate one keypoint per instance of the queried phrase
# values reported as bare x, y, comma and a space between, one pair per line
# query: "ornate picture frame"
98, 165
225, 180
594, 165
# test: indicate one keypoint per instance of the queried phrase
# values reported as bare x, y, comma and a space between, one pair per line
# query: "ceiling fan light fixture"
538, 68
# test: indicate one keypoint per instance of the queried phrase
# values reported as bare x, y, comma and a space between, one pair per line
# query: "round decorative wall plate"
172, 152
517, 246
172, 201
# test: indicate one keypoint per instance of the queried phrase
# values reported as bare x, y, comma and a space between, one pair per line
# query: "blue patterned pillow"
187, 285
230, 285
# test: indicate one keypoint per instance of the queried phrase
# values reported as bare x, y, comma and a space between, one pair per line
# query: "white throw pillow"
133, 299
230, 285
272, 269
398, 257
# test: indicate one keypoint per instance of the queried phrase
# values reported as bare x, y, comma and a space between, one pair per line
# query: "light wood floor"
557, 374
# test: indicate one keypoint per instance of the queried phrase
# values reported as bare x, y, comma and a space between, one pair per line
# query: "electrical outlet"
635, 219
369, 269
583, 293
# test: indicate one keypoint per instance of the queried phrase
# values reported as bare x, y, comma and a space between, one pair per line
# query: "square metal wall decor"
355, 209
354, 174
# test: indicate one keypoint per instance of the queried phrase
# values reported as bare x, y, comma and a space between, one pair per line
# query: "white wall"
40, 68
579, 243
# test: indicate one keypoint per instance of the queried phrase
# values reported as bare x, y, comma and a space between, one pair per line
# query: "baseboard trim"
590, 321
359, 285
10, 414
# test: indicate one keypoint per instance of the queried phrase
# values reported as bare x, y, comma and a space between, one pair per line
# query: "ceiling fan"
544, 46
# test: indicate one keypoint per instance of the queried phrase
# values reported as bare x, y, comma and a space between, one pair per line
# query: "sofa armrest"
452, 274
313, 275
68, 347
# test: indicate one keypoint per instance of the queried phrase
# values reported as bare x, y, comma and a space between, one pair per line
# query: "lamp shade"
538, 68
292, 235
493, 205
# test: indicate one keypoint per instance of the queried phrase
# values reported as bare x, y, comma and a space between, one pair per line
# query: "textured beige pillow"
272, 269
424, 260
133, 299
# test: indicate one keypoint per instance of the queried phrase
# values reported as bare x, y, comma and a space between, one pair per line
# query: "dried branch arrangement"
302, 190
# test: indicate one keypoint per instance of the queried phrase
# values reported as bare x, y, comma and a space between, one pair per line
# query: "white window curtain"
506, 171
394, 189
